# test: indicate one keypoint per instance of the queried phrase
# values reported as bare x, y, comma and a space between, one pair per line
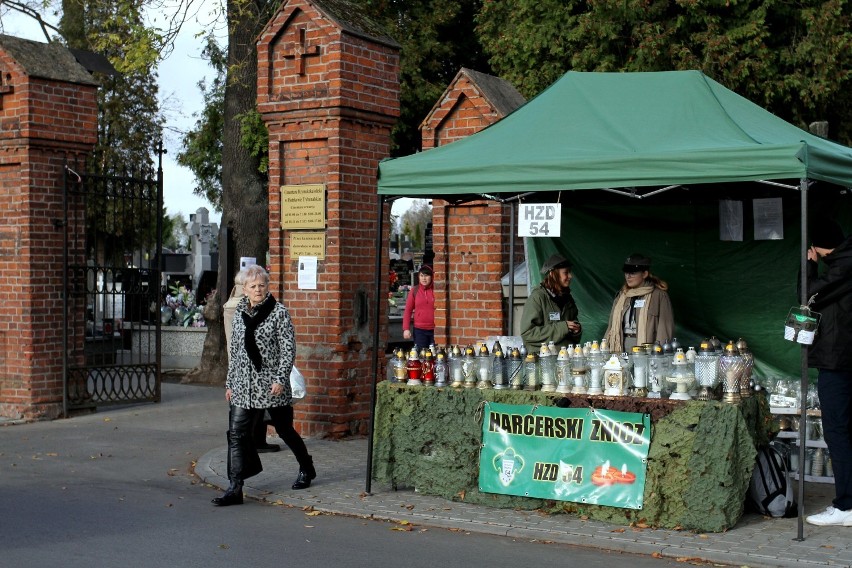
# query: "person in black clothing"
831, 354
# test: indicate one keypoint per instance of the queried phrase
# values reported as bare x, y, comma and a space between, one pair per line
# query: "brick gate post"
328, 93
48, 113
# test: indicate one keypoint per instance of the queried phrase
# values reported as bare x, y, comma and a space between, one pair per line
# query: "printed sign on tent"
583, 455
540, 220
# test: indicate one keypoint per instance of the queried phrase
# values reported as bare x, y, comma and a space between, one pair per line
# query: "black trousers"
282, 421
835, 401
243, 460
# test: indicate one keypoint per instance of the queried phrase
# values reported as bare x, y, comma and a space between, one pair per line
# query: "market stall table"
700, 459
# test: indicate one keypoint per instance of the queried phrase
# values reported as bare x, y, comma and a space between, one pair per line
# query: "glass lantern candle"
428, 369
680, 377
440, 370
656, 371
515, 370
498, 369
706, 370
746, 383
640, 371
414, 368
456, 371
595, 365
547, 369
613, 377
731, 367
399, 371
530, 373
604, 349
563, 371
469, 368
483, 368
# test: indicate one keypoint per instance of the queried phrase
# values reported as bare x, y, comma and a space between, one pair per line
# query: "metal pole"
803, 300
511, 330
375, 364
65, 317
158, 344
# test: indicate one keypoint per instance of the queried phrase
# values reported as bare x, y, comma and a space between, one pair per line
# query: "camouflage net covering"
699, 463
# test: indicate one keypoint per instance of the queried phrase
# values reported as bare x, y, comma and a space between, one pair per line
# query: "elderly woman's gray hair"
250, 274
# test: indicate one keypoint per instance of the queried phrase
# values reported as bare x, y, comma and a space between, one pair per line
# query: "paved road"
117, 488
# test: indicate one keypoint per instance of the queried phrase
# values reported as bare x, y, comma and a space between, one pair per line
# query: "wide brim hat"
636, 262
555, 261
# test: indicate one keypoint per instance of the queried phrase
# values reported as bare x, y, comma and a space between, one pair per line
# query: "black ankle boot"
233, 496
303, 481
307, 473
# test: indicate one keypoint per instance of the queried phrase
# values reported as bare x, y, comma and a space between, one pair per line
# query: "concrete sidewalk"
341, 482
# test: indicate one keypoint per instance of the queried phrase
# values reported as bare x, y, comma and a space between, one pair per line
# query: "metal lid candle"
731, 367
681, 377
547, 368
483, 367
515, 370
640, 371
563, 371
414, 368
595, 364
440, 370
469, 368
706, 370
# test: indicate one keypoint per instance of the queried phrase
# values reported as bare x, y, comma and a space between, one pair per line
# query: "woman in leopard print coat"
261, 354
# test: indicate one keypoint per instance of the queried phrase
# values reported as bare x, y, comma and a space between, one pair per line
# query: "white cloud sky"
179, 75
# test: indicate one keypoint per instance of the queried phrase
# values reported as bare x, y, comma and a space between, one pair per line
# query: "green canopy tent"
632, 133
614, 130
672, 144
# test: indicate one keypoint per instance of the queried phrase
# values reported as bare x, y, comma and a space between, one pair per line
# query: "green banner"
583, 455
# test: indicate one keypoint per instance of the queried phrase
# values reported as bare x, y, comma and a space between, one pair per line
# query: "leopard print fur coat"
262, 351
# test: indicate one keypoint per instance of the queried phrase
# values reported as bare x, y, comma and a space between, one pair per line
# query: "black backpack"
770, 492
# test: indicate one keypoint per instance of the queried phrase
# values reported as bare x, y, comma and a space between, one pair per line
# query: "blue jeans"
835, 401
423, 338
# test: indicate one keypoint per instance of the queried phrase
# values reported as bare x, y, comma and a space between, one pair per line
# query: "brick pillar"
48, 112
328, 92
471, 241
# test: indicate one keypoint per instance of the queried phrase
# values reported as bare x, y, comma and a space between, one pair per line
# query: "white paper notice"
768, 219
730, 220
307, 273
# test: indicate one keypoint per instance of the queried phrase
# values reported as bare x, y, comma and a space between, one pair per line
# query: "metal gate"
113, 239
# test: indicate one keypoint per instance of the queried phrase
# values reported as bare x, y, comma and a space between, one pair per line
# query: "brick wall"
44, 123
471, 241
329, 117
461, 112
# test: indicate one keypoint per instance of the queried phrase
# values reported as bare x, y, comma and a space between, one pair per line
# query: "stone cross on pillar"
201, 233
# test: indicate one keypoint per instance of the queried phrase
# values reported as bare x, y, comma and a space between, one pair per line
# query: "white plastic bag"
297, 385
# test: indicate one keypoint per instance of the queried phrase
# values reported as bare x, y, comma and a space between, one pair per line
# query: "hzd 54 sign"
539, 219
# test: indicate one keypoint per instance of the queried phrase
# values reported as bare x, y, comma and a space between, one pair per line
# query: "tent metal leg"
375, 366
803, 407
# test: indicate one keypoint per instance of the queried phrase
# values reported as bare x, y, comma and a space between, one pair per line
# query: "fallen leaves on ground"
403, 526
